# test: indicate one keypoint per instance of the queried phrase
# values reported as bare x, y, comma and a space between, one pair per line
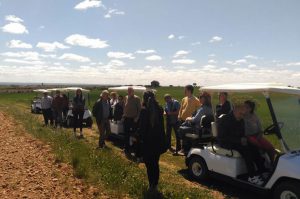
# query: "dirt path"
28, 169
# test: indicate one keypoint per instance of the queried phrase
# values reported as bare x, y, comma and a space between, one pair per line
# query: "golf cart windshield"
287, 109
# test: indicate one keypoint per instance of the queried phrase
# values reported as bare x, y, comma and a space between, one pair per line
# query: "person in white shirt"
46, 104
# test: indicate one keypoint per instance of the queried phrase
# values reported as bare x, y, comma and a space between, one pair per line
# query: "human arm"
139, 107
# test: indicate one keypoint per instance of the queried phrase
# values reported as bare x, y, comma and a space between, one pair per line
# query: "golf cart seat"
215, 148
205, 129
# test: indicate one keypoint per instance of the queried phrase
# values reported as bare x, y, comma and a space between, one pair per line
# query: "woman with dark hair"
254, 132
152, 134
78, 111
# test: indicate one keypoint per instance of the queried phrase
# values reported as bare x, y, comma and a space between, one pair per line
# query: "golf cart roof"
41, 91
252, 87
56, 89
75, 89
125, 88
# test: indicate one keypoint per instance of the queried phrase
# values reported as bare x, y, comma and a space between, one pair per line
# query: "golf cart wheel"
197, 168
287, 190
89, 122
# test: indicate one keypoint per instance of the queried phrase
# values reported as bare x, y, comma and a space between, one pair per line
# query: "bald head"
130, 91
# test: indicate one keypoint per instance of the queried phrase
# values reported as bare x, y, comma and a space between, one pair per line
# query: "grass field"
110, 169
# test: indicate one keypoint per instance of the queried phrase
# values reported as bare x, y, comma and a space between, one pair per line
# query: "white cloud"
13, 18
74, 57
120, 55
212, 61
196, 43
18, 44
51, 47
293, 64
116, 63
82, 40
181, 37
181, 53
183, 61
215, 39
27, 55
251, 57
211, 55
252, 66
154, 58
21, 61
171, 36
14, 28
149, 51
88, 4
112, 12
237, 62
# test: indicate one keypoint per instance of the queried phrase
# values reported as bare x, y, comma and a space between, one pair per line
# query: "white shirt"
46, 102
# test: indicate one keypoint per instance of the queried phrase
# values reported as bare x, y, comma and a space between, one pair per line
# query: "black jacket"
223, 109
118, 113
98, 111
153, 138
230, 131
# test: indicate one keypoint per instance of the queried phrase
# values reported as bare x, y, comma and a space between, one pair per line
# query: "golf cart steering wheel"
271, 129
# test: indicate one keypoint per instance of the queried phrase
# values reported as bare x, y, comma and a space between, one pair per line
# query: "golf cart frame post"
275, 122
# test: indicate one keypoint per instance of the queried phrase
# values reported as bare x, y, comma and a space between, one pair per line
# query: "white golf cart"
116, 127
284, 180
36, 106
87, 116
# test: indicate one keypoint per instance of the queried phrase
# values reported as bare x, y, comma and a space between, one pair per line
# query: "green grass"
108, 168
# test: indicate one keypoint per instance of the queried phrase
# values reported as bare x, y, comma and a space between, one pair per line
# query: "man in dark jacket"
224, 106
231, 135
102, 113
57, 107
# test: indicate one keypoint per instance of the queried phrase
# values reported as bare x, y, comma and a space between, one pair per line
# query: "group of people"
239, 128
54, 109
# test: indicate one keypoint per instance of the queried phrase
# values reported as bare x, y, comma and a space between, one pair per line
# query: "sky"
176, 42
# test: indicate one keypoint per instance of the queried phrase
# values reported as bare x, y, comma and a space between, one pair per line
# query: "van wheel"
287, 190
197, 168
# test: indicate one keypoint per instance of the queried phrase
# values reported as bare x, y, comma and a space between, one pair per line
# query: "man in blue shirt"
171, 110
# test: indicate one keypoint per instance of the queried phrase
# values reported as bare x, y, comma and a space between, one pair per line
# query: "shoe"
81, 136
257, 180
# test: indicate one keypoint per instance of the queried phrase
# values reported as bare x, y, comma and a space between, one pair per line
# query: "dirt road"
28, 169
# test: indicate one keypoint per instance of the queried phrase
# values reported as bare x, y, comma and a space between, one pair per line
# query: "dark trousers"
169, 137
251, 156
78, 118
57, 114
47, 114
152, 165
104, 129
129, 129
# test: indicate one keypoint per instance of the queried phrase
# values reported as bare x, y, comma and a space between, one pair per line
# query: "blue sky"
133, 42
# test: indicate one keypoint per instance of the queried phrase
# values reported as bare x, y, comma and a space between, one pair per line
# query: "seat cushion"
222, 151
192, 135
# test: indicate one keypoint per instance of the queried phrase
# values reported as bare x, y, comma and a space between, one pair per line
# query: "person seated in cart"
113, 100
204, 110
231, 135
254, 132
224, 106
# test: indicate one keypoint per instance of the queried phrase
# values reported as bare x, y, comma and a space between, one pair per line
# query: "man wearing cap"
46, 103
102, 113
